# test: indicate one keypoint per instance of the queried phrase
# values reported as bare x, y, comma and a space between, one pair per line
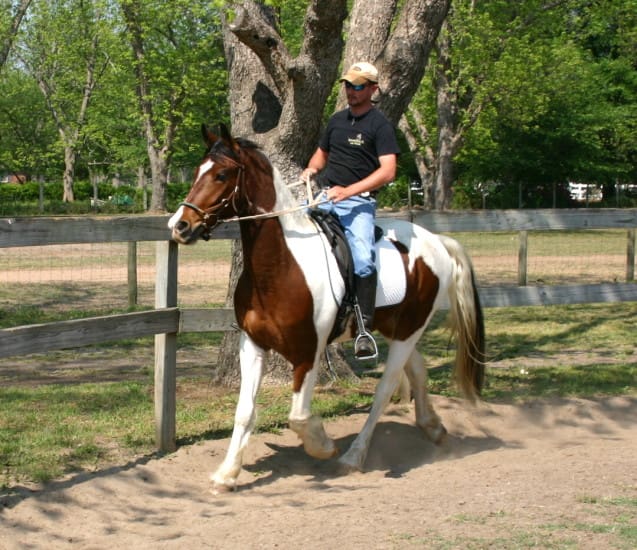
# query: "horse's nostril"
182, 226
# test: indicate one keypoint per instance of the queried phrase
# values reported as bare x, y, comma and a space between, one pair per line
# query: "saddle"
335, 235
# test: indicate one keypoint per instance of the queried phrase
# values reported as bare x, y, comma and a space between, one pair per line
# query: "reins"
207, 214
278, 213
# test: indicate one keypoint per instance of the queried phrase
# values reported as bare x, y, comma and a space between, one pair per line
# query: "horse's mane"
220, 149
245, 143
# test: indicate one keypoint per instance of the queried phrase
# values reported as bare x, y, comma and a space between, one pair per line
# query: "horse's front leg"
309, 428
252, 358
397, 356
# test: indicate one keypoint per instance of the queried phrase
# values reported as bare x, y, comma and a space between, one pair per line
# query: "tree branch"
323, 42
5, 47
404, 58
254, 29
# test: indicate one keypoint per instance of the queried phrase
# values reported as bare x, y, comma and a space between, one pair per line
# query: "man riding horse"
356, 156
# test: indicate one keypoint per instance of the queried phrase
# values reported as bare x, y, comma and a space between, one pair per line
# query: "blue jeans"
357, 215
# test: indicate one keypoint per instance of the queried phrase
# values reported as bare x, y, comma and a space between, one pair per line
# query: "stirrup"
363, 334
370, 352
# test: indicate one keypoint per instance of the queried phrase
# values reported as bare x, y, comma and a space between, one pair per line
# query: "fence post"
523, 239
630, 256
166, 349
132, 273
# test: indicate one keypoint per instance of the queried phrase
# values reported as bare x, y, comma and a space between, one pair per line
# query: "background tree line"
500, 99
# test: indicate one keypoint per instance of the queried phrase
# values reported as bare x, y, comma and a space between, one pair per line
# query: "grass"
47, 431
86, 256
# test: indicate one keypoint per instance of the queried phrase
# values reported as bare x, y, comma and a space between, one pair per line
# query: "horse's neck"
284, 197
263, 240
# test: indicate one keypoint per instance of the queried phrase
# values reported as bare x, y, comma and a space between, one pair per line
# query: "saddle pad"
392, 283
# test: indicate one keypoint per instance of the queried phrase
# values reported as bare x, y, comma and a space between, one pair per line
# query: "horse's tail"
467, 322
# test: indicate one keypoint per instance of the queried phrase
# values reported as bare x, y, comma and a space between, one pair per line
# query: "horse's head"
213, 195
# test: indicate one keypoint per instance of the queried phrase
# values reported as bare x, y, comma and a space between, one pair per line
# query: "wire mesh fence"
66, 281
554, 257
79, 280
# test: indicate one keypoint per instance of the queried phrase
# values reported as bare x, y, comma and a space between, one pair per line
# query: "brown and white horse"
289, 292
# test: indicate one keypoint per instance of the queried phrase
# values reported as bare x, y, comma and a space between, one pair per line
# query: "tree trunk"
406, 52
424, 156
159, 178
70, 156
452, 126
444, 175
158, 143
70, 134
265, 117
226, 372
447, 114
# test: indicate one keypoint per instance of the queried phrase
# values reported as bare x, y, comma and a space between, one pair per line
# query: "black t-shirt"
354, 144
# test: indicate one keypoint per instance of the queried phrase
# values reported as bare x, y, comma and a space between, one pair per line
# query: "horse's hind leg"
252, 358
426, 418
397, 356
308, 427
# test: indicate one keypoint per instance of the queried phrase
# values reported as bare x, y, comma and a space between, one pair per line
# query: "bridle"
210, 217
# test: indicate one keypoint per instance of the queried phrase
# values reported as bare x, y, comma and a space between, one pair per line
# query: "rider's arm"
316, 164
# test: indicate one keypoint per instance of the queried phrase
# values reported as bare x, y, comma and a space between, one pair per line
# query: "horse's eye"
222, 177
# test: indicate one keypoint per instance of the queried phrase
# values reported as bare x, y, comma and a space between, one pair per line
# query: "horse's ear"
208, 136
227, 137
225, 133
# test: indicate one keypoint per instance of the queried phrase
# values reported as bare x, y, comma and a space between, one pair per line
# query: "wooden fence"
167, 320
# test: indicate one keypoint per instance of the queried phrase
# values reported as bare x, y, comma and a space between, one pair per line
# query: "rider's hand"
337, 193
308, 173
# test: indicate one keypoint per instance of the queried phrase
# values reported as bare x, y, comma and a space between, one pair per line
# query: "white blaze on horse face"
172, 222
203, 168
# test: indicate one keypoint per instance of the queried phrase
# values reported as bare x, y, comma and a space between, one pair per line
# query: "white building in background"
581, 192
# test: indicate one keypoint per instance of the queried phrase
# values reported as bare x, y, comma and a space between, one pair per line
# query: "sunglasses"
355, 87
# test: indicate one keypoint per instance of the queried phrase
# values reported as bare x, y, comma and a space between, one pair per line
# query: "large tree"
67, 67
278, 98
505, 96
176, 60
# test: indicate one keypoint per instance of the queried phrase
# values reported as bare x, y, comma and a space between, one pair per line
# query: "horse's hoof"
437, 435
222, 489
315, 441
345, 466
322, 453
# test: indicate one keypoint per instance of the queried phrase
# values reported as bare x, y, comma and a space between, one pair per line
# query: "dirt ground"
557, 473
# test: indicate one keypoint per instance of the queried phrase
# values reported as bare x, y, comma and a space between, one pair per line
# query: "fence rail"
72, 230
166, 320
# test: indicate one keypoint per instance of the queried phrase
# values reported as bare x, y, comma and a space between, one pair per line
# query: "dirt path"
548, 474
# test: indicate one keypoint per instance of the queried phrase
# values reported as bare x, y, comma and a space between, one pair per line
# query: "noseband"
210, 216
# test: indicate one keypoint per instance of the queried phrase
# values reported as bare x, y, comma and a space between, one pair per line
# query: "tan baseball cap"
361, 72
